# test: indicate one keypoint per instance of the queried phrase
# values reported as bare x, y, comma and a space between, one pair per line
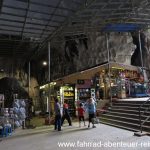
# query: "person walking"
57, 109
81, 112
66, 115
91, 108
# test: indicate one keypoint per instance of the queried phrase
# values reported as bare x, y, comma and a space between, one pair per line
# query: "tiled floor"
74, 138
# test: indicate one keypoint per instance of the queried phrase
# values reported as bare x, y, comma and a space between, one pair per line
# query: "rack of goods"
83, 89
84, 94
6, 118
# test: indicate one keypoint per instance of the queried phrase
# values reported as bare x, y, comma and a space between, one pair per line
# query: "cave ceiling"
27, 25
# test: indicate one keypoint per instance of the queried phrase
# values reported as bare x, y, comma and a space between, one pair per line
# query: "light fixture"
44, 63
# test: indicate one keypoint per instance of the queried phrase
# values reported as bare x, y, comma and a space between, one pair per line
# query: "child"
81, 112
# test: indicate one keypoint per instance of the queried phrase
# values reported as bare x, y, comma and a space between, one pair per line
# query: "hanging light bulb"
44, 63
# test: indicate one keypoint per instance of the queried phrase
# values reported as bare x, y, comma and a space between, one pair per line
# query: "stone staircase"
125, 114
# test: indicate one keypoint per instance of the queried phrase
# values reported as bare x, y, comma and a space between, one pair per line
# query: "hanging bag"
95, 120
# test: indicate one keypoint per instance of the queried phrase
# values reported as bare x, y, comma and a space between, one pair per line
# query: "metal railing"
141, 113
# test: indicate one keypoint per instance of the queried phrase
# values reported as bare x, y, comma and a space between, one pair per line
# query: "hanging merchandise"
19, 111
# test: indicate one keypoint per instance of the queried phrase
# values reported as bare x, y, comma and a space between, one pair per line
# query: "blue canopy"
121, 27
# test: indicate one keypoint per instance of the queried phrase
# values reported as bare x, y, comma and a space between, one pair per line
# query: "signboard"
80, 81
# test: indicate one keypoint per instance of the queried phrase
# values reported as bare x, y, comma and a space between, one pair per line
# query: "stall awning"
121, 27
89, 73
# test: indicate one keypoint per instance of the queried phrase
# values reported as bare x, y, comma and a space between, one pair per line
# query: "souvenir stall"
125, 81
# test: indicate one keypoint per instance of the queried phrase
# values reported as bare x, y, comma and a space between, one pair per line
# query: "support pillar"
108, 58
49, 88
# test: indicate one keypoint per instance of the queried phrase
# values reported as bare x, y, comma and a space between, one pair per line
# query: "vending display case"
84, 94
69, 97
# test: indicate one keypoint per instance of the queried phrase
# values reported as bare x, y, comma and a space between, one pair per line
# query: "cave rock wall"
85, 51
16, 81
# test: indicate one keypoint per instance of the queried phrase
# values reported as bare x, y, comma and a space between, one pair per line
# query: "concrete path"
102, 137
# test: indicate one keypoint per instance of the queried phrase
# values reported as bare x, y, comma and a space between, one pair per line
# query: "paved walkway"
74, 138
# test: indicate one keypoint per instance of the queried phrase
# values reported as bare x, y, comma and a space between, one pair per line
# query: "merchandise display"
69, 98
19, 112
6, 114
84, 94
6, 117
84, 90
6, 121
124, 81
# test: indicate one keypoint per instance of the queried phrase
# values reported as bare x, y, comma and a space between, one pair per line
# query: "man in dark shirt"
57, 115
66, 115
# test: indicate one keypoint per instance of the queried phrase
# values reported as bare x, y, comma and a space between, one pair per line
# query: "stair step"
123, 123
126, 114
126, 119
134, 104
126, 110
128, 107
128, 104
122, 110
119, 126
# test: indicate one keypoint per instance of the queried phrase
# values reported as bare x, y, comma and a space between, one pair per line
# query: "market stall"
125, 81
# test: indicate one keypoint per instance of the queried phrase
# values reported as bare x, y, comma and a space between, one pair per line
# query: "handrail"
141, 113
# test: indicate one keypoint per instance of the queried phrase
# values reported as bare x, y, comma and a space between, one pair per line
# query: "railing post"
141, 123
140, 119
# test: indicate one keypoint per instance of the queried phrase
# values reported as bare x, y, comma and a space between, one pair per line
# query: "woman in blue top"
91, 111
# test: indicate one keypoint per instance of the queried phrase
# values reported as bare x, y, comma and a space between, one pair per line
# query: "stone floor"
74, 138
